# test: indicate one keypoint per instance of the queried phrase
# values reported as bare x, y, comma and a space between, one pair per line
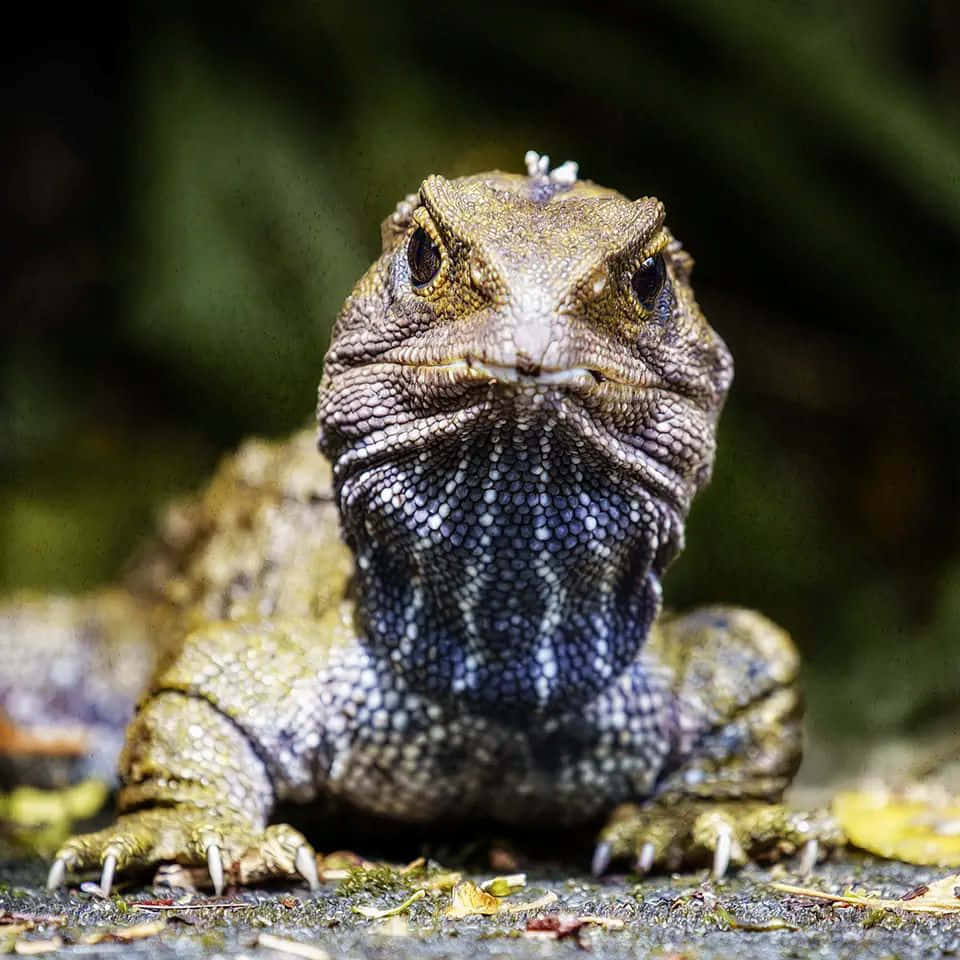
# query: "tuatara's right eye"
423, 257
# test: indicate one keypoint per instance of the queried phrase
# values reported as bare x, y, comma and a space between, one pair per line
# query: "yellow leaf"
924, 831
467, 900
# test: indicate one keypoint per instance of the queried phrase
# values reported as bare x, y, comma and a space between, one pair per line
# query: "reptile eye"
647, 282
423, 257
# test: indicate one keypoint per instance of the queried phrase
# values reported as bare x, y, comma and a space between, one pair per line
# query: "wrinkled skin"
455, 610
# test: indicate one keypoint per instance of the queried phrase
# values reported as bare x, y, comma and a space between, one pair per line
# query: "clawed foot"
694, 833
231, 849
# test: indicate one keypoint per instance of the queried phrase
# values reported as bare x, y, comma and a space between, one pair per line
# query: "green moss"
376, 880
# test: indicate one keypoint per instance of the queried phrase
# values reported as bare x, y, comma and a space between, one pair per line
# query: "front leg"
229, 729
737, 744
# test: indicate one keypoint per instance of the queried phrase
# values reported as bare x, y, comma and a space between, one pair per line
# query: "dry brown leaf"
468, 900
921, 830
556, 926
940, 897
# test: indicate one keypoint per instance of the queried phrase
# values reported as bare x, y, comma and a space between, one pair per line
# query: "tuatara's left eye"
423, 257
648, 280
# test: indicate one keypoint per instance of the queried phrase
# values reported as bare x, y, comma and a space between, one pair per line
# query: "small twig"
238, 905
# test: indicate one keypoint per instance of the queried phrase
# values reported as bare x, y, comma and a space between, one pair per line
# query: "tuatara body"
454, 608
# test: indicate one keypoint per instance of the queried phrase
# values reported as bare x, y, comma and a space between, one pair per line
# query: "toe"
57, 874
601, 858
306, 864
107, 872
215, 866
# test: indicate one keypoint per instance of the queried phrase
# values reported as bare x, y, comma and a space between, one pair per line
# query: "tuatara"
454, 608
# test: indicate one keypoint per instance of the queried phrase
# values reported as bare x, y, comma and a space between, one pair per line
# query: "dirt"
681, 917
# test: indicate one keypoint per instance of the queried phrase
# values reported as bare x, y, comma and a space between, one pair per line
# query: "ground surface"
680, 918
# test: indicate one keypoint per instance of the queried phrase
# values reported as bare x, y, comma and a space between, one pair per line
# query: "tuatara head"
519, 401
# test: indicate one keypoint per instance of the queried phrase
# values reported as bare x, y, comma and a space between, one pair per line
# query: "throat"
504, 576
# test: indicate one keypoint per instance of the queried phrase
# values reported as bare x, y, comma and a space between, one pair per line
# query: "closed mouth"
471, 368
598, 381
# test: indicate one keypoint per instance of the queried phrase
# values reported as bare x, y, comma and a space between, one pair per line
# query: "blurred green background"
189, 193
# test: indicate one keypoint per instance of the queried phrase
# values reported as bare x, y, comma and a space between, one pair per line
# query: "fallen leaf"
33, 948
538, 904
919, 829
372, 913
292, 947
940, 897
556, 926
139, 931
504, 886
468, 900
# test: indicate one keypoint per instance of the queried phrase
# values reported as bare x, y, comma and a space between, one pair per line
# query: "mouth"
527, 375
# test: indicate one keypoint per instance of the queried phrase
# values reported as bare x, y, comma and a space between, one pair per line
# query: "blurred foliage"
192, 190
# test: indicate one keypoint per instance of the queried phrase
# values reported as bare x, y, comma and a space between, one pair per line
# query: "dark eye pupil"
648, 281
423, 257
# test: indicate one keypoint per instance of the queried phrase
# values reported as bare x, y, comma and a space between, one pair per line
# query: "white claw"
306, 864
106, 877
215, 866
645, 858
57, 873
808, 856
601, 859
721, 854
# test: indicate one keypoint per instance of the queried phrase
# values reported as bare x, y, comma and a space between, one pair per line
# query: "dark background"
188, 195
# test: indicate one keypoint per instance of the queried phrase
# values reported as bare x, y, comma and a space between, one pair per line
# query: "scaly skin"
455, 614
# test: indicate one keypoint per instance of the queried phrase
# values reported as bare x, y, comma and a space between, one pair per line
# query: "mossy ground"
675, 917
